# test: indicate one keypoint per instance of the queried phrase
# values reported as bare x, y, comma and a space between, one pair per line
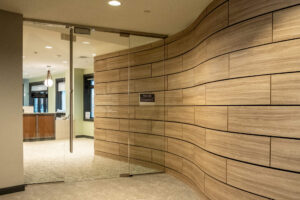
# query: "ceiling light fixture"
85, 42
48, 81
93, 54
114, 3
48, 47
65, 62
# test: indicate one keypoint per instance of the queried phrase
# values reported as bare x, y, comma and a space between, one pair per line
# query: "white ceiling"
165, 17
36, 57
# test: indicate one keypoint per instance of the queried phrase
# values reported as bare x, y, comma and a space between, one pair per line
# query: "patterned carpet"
51, 161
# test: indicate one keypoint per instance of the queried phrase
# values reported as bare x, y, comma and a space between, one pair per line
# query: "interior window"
60, 96
38, 97
88, 94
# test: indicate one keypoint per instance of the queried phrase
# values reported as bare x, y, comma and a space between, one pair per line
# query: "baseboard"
84, 136
13, 189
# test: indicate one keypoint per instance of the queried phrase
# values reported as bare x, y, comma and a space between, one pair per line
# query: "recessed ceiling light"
114, 3
85, 42
65, 62
48, 47
23, 57
93, 54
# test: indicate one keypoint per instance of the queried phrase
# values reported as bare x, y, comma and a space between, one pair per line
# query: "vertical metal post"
71, 90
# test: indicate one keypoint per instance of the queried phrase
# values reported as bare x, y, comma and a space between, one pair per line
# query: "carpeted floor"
147, 187
51, 161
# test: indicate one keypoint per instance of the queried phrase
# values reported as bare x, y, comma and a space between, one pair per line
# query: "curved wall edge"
227, 112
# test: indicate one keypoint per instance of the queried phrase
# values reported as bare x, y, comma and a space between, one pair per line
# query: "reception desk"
38, 126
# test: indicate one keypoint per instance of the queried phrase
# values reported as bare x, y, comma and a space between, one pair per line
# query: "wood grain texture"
250, 33
286, 89
147, 56
285, 154
46, 126
158, 68
186, 151
287, 24
107, 76
117, 62
173, 162
173, 97
107, 147
100, 134
181, 80
150, 112
173, 129
143, 71
194, 173
211, 117
149, 141
267, 182
195, 56
194, 95
193, 134
29, 127
140, 126
211, 164
100, 65
248, 148
149, 84
282, 121
106, 123
158, 127
173, 65
217, 190
267, 59
117, 136
185, 114
212, 70
243, 9
243, 91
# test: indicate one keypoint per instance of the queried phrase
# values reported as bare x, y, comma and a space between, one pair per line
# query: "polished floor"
146, 187
51, 161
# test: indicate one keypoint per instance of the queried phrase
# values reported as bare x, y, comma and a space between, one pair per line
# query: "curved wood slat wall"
227, 113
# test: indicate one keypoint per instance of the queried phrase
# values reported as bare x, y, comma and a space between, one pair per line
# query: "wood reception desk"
38, 126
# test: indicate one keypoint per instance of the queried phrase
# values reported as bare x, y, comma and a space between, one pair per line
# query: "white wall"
11, 121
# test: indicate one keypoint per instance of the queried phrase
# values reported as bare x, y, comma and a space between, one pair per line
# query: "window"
88, 95
38, 97
60, 96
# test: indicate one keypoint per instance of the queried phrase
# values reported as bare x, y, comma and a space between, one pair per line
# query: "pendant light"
48, 81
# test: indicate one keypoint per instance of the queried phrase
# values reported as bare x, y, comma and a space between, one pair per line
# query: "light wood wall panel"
173, 65
243, 91
248, 148
287, 24
250, 33
194, 134
143, 71
194, 173
211, 117
173, 129
147, 56
217, 190
282, 121
181, 80
173, 162
285, 154
149, 84
286, 89
212, 70
107, 123
267, 182
117, 62
194, 95
107, 76
185, 114
274, 58
243, 9
150, 112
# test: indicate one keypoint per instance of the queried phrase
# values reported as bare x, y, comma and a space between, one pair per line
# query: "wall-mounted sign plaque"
147, 99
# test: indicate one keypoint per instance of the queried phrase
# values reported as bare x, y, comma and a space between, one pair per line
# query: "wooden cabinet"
38, 126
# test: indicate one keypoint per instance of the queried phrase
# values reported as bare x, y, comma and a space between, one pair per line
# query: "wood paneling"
29, 126
216, 190
107, 76
100, 134
211, 164
106, 123
143, 71
46, 126
150, 112
141, 126
149, 84
186, 151
253, 149
243, 9
250, 33
285, 154
193, 134
173, 129
107, 147
147, 56
117, 87
173, 162
212, 70
173, 97
194, 95
158, 127
185, 114
243, 91
173, 65
286, 89
117, 136
100, 88
287, 24
194, 173
117, 62
267, 182
149, 141
158, 68
195, 56
267, 59
100, 65
211, 117
282, 121
181, 80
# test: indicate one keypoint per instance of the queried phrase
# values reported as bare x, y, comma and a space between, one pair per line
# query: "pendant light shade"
48, 82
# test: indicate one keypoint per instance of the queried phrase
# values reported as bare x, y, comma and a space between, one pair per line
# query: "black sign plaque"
147, 98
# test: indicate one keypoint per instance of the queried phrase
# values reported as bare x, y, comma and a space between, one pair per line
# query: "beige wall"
11, 146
